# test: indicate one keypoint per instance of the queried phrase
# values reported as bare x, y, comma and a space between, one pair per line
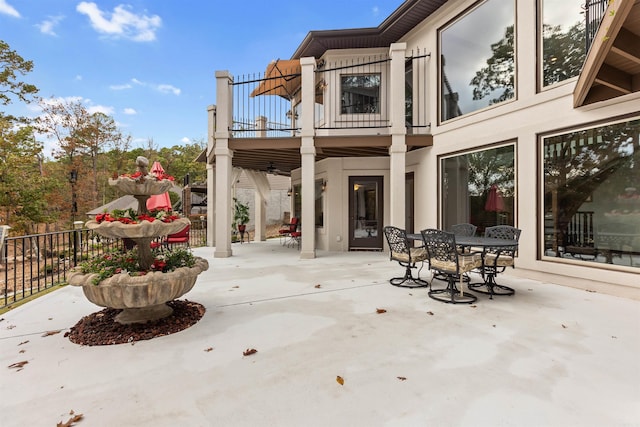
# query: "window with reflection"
477, 59
563, 39
479, 188
592, 194
319, 203
360, 93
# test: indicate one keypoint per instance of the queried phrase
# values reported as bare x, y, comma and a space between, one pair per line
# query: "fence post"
77, 236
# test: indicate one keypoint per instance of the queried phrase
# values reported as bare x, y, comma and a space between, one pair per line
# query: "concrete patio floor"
547, 356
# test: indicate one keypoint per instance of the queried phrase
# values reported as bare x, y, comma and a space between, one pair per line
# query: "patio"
548, 356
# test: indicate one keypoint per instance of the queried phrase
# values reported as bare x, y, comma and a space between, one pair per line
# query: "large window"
320, 185
592, 195
477, 59
479, 188
360, 93
563, 39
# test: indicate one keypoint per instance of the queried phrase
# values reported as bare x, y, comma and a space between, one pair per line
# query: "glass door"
365, 212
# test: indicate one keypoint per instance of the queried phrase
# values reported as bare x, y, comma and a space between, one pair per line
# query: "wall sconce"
290, 192
324, 185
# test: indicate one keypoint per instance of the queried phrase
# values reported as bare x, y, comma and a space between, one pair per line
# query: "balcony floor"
549, 355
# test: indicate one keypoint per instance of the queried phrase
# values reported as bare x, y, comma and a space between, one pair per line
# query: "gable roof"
399, 23
612, 65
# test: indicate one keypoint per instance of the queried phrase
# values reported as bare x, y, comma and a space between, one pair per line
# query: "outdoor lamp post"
73, 178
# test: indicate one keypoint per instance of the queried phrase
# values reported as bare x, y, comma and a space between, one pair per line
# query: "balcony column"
398, 149
223, 156
211, 178
308, 160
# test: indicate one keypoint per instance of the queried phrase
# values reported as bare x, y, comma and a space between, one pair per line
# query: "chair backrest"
503, 232
441, 249
182, 234
506, 232
464, 229
397, 240
293, 225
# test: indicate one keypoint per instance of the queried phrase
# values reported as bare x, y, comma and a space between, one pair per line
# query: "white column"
308, 160
260, 218
398, 149
223, 156
211, 177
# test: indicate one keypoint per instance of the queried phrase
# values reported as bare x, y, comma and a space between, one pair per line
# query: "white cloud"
121, 23
130, 111
78, 77
162, 88
100, 109
47, 26
375, 10
168, 89
185, 140
120, 87
7, 9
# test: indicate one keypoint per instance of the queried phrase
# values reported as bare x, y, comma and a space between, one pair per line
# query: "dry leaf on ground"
402, 378
340, 380
18, 365
74, 419
49, 333
208, 349
318, 286
249, 352
380, 310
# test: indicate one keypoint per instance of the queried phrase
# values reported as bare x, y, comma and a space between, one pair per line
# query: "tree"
22, 178
12, 65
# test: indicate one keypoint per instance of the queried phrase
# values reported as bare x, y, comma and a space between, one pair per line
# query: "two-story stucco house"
520, 112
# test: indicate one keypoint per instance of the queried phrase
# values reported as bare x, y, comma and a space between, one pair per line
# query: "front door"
365, 212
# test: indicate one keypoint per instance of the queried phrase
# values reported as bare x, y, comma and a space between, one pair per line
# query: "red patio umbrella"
158, 201
494, 201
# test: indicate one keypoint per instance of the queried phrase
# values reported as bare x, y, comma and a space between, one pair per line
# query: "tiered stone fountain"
142, 298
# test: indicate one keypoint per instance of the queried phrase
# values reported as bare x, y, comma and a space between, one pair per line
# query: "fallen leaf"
236, 287
74, 418
493, 326
430, 313
564, 326
590, 290
22, 351
208, 349
24, 342
380, 310
340, 380
49, 333
249, 352
473, 306
318, 286
18, 365
614, 337
402, 378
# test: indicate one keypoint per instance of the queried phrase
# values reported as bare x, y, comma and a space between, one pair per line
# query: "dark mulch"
100, 328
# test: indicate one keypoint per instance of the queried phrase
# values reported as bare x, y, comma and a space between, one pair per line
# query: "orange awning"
282, 78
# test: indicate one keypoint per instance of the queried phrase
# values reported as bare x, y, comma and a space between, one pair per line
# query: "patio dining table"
488, 272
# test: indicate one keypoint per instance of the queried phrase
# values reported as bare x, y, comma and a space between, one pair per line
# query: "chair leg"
489, 285
408, 281
451, 294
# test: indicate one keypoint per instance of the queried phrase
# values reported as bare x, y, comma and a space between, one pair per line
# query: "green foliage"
11, 66
116, 262
240, 213
499, 73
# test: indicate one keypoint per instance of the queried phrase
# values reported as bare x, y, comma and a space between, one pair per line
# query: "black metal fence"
593, 12
267, 104
34, 263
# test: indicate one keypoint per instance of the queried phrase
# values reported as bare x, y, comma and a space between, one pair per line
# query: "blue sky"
151, 63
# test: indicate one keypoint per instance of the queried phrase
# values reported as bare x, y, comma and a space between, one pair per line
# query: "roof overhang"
612, 65
282, 155
397, 25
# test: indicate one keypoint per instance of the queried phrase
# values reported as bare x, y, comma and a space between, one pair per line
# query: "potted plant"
240, 216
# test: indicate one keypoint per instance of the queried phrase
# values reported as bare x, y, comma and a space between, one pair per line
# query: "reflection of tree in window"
591, 170
360, 94
562, 53
497, 78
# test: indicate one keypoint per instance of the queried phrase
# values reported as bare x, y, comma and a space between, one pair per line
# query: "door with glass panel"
365, 212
